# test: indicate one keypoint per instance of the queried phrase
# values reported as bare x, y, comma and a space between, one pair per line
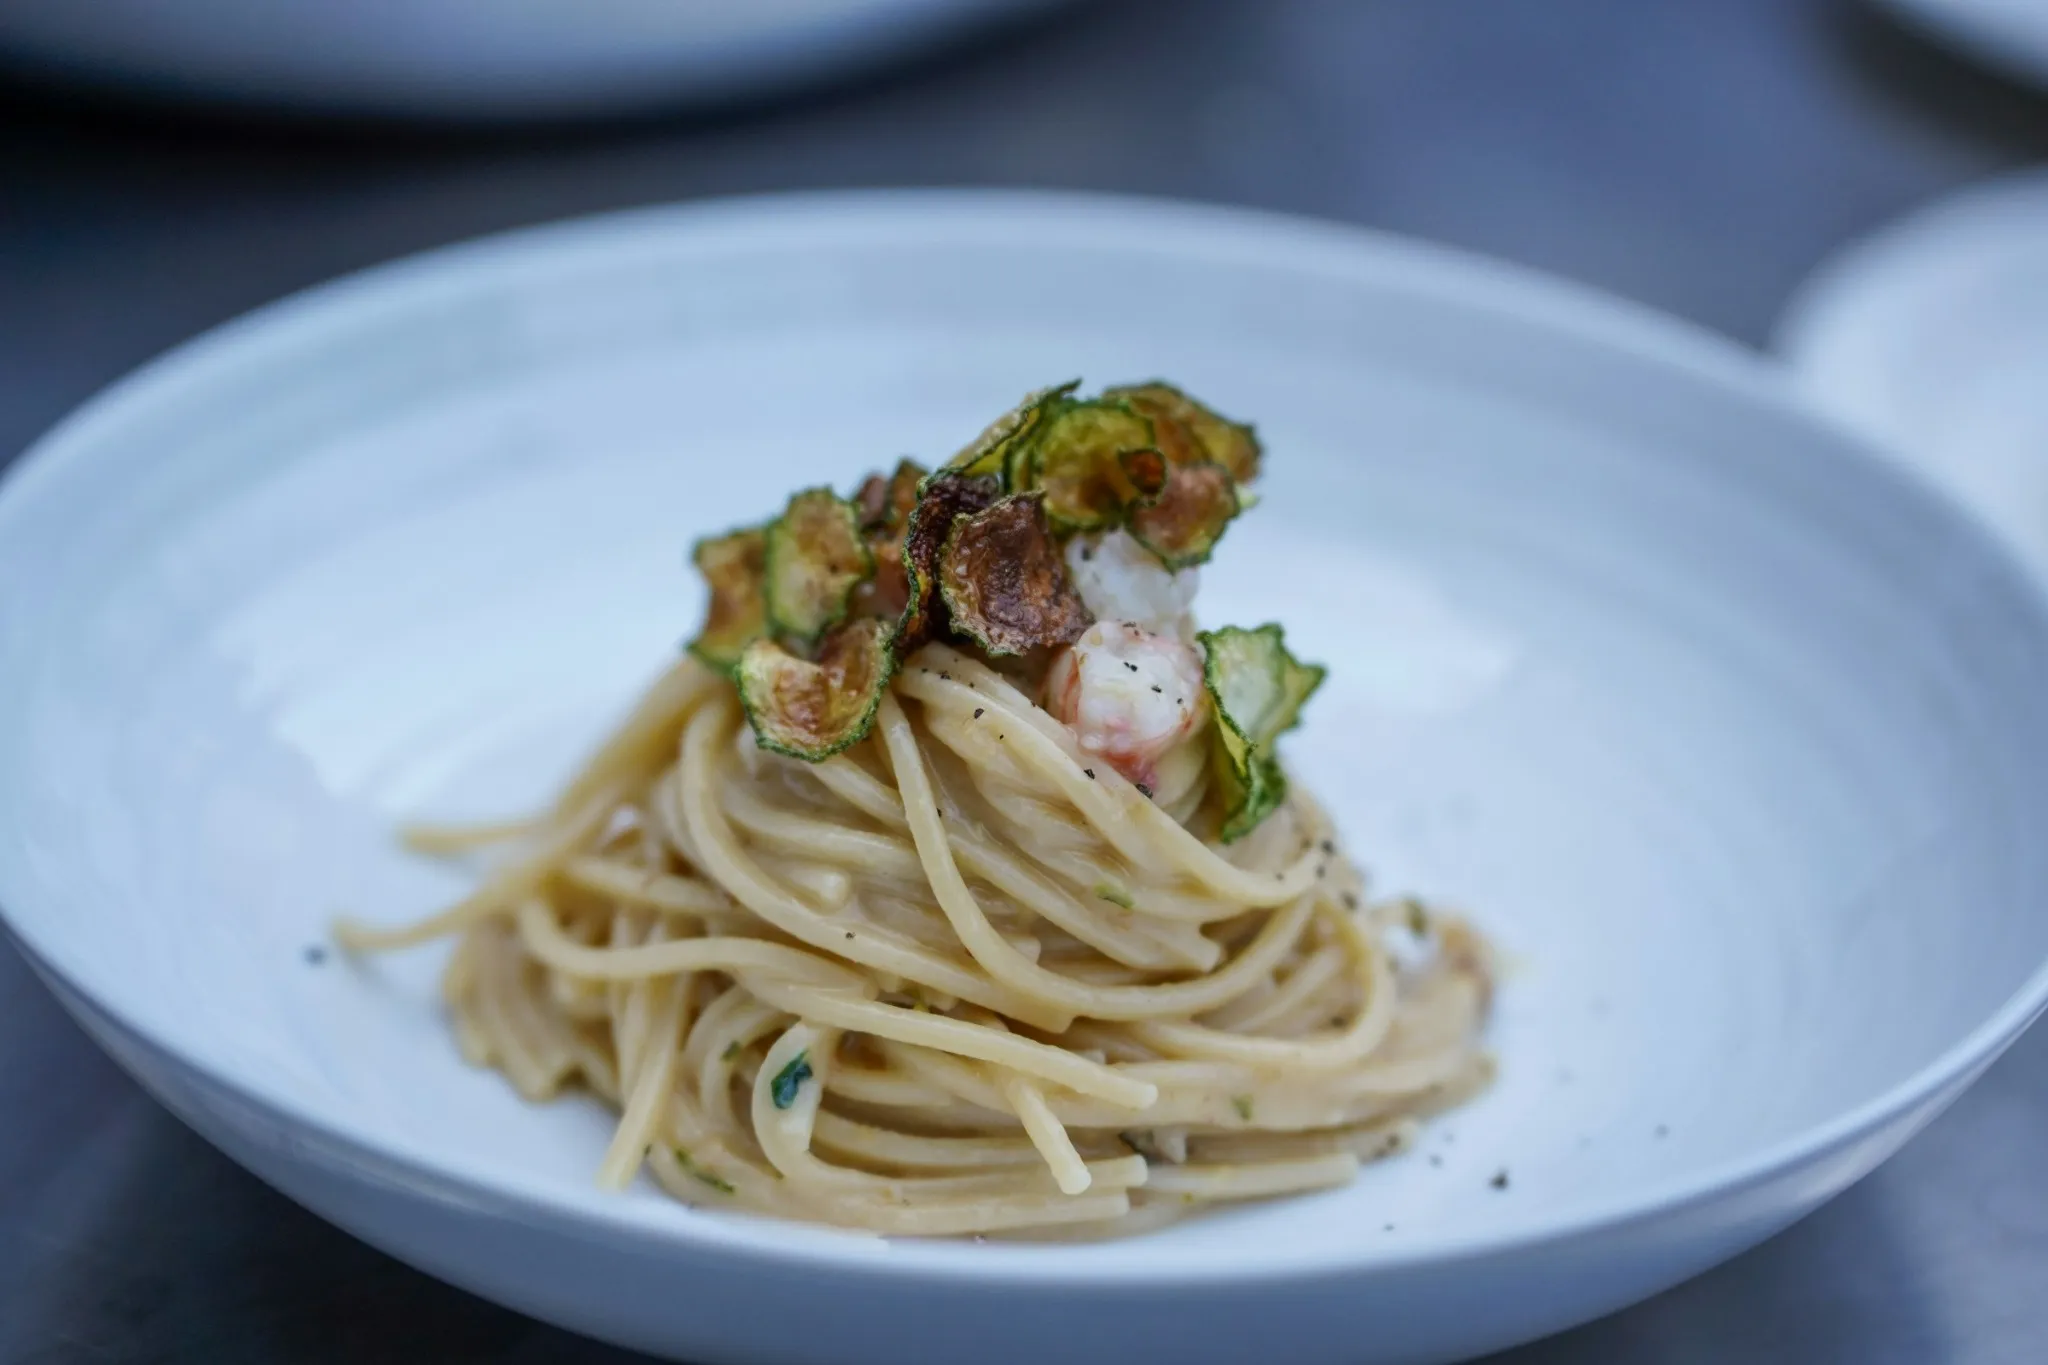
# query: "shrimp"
1129, 694
1120, 580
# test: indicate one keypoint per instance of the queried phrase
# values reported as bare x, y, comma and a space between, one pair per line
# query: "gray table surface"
1698, 155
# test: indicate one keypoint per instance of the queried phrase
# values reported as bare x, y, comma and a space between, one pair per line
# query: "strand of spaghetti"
546, 941
1027, 1102
1211, 1098
1406, 1077
729, 1026
1136, 945
642, 743
501, 891
1182, 779
959, 1038
784, 1125
1117, 1173
439, 840
1046, 1132
1132, 824
1256, 1180
784, 1110
1296, 989
514, 1040
1320, 1053
892, 1147
888, 1089
808, 837
644, 887
626, 1001
710, 1170
990, 830
861, 789
1009, 967
873, 948
1064, 847
647, 1092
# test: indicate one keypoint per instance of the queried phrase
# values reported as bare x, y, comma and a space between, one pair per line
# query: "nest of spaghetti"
951, 882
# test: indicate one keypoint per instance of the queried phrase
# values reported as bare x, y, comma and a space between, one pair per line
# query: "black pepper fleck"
315, 955
1388, 1228
1499, 1181
1157, 688
849, 933
977, 712
1663, 1130
1147, 791
1090, 772
945, 675
1435, 1160
1350, 901
1128, 664
1328, 847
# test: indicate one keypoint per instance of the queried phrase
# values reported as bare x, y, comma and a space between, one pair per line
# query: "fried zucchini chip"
992, 452
816, 557
734, 566
1081, 457
1182, 522
944, 496
1190, 432
885, 503
813, 708
1258, 689
1004, 580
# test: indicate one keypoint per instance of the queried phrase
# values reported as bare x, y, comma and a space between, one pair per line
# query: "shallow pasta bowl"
1727, 732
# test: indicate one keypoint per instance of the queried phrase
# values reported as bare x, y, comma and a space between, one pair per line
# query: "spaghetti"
965, 975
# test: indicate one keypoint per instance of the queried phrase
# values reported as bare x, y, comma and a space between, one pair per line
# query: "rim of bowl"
1225, 235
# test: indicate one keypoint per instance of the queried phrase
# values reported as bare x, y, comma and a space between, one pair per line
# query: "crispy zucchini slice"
811, 709
816, 557
734, 566
1078, 458
1183, 521
1145, 470
1005, 582
1190, 432
884, 501
991, 453
944, 496
1258, 689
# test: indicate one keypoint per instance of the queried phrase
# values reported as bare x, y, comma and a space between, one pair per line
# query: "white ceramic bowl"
1930, 337
480, 59
1731, 734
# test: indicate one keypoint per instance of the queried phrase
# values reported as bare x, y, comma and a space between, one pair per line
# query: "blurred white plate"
1931, 337
481, 59
1730, 733
2011, 35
